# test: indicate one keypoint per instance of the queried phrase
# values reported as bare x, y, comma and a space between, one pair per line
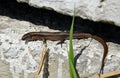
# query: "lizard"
62, 36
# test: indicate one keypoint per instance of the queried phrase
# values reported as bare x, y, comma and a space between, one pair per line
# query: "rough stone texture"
96, 10
20, 60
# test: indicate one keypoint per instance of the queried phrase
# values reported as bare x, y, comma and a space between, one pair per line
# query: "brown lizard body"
54, 36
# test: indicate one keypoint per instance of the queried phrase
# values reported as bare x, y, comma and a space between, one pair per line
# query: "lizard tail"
105, 51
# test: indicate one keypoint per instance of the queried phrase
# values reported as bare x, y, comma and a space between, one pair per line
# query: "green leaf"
73, 73
72, 68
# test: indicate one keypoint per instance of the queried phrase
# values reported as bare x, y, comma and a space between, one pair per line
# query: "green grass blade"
71, 54
73, 73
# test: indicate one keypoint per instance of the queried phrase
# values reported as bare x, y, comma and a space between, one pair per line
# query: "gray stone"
20, 60
96, 10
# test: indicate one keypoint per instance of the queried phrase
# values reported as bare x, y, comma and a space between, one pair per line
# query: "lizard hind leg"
61, 42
